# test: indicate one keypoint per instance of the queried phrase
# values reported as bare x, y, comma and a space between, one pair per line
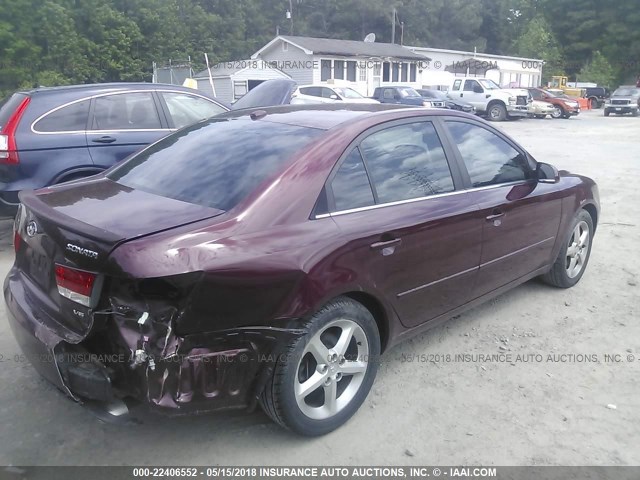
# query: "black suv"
597, 96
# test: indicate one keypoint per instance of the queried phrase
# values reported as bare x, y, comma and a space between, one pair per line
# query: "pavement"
567, 395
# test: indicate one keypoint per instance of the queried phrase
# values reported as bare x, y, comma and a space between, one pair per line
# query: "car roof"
99, 87
326, 116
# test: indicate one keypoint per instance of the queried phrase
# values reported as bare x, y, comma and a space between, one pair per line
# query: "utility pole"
291, 16
393, 25
401, 33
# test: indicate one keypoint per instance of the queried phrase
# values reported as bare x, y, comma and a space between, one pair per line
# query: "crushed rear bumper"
126, 359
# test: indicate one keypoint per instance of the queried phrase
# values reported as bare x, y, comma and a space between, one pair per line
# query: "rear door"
395, 198
521, 216
122, 124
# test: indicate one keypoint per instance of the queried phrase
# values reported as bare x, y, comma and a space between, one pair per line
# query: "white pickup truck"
496, 103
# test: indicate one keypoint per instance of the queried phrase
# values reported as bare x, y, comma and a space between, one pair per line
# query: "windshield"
407, 92
488, 84
627, 92
348, 93
214, 163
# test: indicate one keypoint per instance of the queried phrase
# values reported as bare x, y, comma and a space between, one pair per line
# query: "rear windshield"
8, 106
215, 163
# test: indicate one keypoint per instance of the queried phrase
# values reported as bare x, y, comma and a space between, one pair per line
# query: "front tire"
573, 257
497, 112
558, 112
324, 376
606, 112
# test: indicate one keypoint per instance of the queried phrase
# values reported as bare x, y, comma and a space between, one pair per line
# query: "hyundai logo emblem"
32, 228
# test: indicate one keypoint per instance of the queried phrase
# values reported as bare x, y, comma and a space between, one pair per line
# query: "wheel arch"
75, 173
377, 310
593, 212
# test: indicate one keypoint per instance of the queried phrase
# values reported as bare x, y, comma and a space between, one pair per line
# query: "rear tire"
324, 376
606, 112
574, 255
540, 116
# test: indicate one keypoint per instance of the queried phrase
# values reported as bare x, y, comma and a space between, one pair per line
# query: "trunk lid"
77, 225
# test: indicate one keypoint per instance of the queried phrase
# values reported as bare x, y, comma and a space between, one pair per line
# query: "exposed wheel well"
493, 102
377, 310
591, 210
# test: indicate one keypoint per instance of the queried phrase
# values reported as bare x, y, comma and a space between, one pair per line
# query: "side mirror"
546, 173
478, 89
334, 97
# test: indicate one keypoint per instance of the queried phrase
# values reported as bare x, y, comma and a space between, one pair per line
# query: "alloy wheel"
557, 112
331, 369
577, 249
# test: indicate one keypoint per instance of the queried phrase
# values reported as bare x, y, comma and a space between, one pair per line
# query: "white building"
231, 80
506, 71
363, 65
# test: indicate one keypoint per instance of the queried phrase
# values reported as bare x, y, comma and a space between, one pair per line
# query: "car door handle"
388, 243
495, 213
104, 139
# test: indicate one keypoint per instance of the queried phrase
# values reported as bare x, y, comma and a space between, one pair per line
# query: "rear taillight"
75, 285
8, 147
17, 240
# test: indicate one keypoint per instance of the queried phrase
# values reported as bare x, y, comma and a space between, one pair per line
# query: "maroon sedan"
270, 256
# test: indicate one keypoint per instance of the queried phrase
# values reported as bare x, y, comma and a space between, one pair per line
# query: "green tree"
538, 41
598, 70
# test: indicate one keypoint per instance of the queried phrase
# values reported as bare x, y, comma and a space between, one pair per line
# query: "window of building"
386, 69
325, 70
351, 71
338, 69
405, 72
413, 72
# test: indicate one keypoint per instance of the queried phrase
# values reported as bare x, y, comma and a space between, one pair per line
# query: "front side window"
407, 161
186, 109
71, 118
469, 85
489, 159
215, 163
126, 111
350, 186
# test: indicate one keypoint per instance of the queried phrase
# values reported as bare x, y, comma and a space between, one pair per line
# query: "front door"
394, 199
521, 216
469, 94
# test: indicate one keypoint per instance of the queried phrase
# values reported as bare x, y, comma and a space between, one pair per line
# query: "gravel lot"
429, 410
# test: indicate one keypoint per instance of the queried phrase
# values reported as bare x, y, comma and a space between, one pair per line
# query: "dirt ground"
425, 407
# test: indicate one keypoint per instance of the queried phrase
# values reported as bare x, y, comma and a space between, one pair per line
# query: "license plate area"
39, 268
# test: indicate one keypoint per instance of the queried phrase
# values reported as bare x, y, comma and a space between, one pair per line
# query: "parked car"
625, 99
597, 96
399, 95
439, 99
54, 135
270, 256
564, 106
540, 109
498, 104
328, 94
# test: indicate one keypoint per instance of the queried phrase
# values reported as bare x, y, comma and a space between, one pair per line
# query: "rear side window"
489, 159
71, 118
216, 163
407, 161
350, 186
313, 91
126, 111
9, 105
186, 109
